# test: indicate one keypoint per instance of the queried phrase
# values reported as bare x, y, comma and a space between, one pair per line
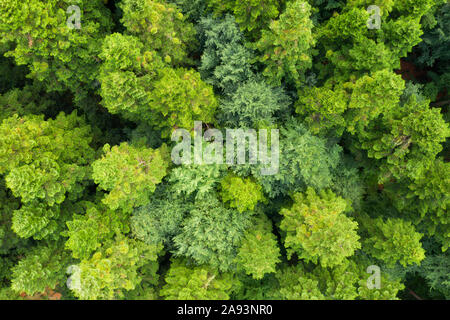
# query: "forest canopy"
349, 98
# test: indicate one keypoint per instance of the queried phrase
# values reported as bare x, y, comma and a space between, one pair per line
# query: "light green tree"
317, 228
42, 267
92, 224
241, 193
190, 282
259, 252
138, 85
393, 240
44, 160
286, 48
61, 57
111, 270
251, 15
130, 174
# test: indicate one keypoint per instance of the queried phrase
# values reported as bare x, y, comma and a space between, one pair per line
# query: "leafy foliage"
317, 229
252, 15
41, 267
295, 286
242, 194
259, 252
143, 88
350, 106
88, 230
44, 159
111, 270
225, 62
254, 104
346, 281
159, 26
184, 282
160, 220
286, 46
130, 174
394, 233
211, 234
355, 193
61, 57
305, 160
196, 180
435, 270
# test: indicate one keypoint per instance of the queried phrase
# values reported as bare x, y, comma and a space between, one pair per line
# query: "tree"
434, 269
350, 106
142, 88
286, 47
44, 160
348, 183
193, 10
347, 281
253, 105
196, 180
407, 139
94, 225
186, 282
226, 60
42, 267
317, 229
432, 52
434, 24
393, 240
425, 200
112, 269
354, 49
159, 26
45, 163
37, 220
180, 97
62, 57
295, 285
251, 15
130, 174
211, 234
322, 109
160, 220
242, 194
305, 161
259, 252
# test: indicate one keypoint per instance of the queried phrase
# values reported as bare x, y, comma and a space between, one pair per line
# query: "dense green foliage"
92, 206
316, 229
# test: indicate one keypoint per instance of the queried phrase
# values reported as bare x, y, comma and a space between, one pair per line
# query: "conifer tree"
141, 87
317, 229
188, 282
259, 252
242, 194
211, 234
159, 26
286, 47
130, 174
252, 15
226, 60
60, 56
393, 240
111, 270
